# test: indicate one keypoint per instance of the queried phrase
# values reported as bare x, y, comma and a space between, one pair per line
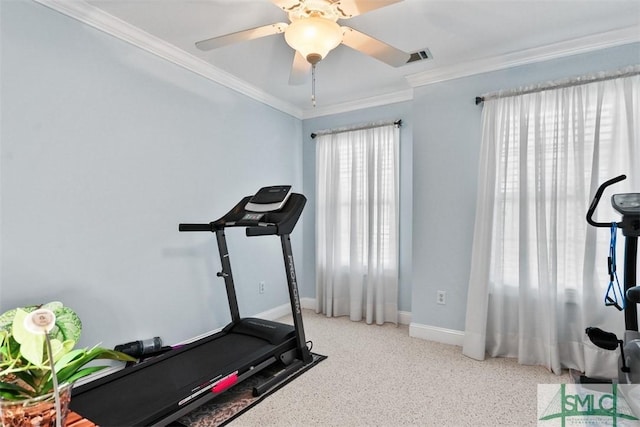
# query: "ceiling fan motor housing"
320, 8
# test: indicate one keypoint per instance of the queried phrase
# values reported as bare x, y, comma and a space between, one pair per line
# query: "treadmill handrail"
195, 227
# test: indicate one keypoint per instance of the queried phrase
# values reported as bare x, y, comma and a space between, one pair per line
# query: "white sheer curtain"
539, 272
357, 200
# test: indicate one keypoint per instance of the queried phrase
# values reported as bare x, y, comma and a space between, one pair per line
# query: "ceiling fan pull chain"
313, 84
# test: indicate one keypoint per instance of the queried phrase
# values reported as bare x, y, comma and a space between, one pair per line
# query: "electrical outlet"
441, 297
261, 287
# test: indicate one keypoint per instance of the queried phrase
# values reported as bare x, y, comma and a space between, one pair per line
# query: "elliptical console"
628, 204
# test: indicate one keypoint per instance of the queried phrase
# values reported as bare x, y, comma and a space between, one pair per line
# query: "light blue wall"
446, 139
104, 149
399, 111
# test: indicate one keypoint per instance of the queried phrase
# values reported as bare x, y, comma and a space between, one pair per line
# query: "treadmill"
163, 388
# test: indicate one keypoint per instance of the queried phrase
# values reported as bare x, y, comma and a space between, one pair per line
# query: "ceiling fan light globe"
313, 36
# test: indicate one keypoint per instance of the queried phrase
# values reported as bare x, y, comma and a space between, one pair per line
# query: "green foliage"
25, 370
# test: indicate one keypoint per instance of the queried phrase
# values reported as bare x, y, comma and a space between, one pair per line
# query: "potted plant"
27, 385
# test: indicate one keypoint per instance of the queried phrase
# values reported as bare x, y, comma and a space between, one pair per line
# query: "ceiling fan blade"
287, 5
299, 70
253, 33
373, 47
351, 8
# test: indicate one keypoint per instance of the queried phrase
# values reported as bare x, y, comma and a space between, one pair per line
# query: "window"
558, 154
357, 204
538, 270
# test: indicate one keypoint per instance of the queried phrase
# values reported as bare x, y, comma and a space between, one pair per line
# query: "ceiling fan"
313, 32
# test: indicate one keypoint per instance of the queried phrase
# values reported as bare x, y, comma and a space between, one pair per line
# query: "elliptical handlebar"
596, 200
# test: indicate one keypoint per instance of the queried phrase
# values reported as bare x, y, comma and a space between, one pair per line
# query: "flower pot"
35, 412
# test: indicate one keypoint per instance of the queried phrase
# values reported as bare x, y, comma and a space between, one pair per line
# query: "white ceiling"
464, 37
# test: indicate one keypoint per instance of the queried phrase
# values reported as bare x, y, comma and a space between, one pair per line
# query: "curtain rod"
397, 123
576, 81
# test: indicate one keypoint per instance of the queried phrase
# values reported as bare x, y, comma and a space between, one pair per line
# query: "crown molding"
359, 104
97, 18
557, 50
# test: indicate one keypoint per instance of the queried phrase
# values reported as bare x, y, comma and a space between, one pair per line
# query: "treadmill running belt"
156, 389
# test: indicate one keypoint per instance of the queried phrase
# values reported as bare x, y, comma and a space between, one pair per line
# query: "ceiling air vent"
420, 55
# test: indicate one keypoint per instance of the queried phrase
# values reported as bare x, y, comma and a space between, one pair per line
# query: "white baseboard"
309, 303
275, 313
434, 333
404, 317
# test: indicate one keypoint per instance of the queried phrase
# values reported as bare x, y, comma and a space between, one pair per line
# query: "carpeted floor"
380, 376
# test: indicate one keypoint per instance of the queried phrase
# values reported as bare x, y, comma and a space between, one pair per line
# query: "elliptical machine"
627, 204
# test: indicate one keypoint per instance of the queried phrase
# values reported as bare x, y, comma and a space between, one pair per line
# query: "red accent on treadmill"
224, 383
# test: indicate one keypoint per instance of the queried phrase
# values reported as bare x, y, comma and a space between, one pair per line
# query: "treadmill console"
272, 210
269, 199
252, 216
